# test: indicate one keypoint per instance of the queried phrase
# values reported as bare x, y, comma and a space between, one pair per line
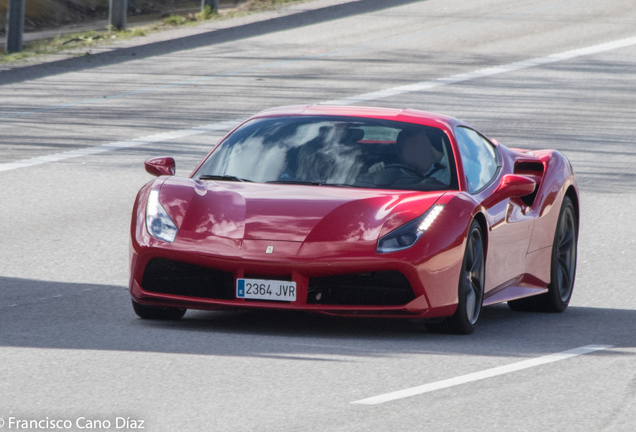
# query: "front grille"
384, 288
165, 276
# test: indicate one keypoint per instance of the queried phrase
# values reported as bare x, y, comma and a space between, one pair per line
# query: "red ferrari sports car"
357, 211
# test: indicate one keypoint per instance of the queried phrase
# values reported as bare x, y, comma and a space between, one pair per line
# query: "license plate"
259, 289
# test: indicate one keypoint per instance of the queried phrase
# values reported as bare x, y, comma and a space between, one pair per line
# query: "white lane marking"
416, 87
476, 376
290, 61
481, 73
167, 136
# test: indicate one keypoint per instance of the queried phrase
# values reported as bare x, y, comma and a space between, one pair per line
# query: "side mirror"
513, 185
160, 166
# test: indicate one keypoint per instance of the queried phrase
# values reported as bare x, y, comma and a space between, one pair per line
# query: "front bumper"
305, 264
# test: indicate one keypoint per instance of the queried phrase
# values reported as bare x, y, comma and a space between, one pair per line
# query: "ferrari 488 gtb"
359, 212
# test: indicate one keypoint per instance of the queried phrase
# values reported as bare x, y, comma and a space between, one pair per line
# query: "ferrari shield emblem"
270, 249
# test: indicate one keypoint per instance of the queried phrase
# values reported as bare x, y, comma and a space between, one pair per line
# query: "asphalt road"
71, 348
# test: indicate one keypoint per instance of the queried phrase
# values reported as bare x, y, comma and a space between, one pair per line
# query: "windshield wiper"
342, 185
223, 177
299, 182
311, 183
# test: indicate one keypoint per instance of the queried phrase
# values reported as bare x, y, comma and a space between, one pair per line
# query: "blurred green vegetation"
53, 13
176, 17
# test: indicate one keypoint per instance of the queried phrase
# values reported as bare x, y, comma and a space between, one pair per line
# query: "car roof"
403, 115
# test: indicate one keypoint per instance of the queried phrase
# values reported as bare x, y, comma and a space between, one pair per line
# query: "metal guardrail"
214, 5
15, 25
117, 11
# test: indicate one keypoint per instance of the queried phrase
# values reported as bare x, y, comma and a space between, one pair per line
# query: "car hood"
295, 213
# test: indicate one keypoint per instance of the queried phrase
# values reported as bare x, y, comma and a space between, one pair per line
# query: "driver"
419, 162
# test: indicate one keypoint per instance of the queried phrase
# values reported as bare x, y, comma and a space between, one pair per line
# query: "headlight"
158, 223
405, 236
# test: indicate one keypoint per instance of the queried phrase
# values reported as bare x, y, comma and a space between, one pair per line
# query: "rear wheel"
158, 313
470, 290
562, 268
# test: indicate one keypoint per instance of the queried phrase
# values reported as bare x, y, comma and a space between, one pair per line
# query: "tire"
158, 313
562, 267
470, 289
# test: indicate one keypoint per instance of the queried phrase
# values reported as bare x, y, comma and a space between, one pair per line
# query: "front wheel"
158, 313
562, 267
471, 287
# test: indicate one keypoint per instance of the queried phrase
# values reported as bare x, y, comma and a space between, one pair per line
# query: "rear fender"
557, 178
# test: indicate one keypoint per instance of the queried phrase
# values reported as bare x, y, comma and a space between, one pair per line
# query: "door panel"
508, 241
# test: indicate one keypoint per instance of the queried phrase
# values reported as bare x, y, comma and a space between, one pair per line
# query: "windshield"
336, 151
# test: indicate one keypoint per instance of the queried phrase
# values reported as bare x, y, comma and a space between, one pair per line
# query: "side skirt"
525, 285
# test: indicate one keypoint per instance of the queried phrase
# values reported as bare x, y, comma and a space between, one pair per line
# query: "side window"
479, 158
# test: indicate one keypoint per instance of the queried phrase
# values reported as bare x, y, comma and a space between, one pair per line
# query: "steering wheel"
405, 167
